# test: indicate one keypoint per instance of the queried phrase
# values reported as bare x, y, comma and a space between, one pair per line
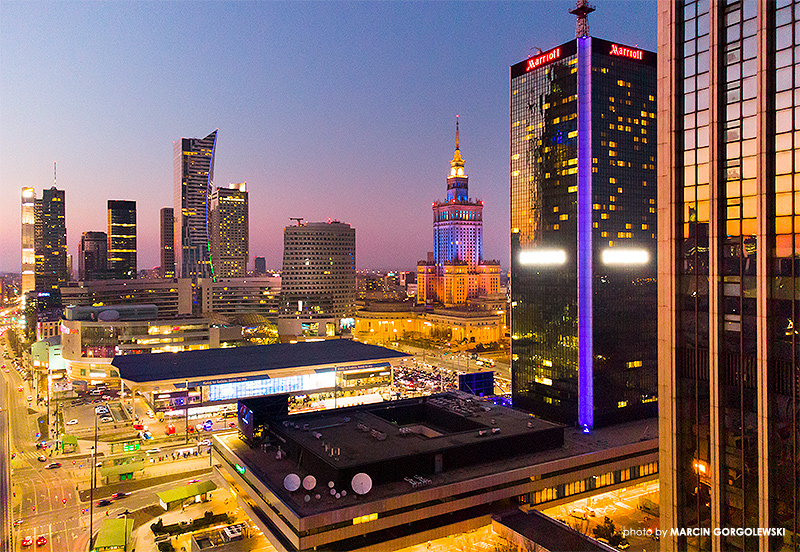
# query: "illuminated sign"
617, 50
547, 57
625, 256
543, 257
240, 469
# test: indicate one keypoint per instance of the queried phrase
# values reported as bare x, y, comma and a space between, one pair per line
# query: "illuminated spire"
581, 12
457, 162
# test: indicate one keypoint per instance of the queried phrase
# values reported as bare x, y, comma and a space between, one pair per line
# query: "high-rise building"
122, 239
318, 281
259, 266
729, 209
93, 256
230, 235
167, 219
194, 181
50, 237
458, 271
28, 235
583, 236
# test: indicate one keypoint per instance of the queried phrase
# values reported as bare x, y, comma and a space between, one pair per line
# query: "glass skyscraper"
583, 236
167, 244
122, 239
230, 230
729, 253
50, 237
193, 163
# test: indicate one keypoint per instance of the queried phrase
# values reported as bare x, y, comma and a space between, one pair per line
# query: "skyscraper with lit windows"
28, 235
583, 236
230, 231
167, 245
193, 163
729, 246
50, 240
122, 239
458, 271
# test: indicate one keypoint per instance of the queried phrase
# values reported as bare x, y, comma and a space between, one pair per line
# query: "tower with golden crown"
457, 272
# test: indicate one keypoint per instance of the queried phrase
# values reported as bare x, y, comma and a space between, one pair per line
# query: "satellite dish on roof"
361, 483
108, 315
291, 482
309, 482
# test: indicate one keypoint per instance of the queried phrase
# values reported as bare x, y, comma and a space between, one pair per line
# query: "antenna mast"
298, 219
581, 12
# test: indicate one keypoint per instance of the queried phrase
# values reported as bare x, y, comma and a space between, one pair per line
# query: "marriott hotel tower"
583, 233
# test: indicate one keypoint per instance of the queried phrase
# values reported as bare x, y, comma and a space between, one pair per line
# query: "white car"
150, 414
204, 442
30, 398
72, 422
153, 451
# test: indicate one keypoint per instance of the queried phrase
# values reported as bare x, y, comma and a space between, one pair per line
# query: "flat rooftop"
549, 533
237, 360
264, 465
461, 429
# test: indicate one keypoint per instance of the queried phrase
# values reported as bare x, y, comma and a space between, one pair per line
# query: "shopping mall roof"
186, 491
240, 360
549, 534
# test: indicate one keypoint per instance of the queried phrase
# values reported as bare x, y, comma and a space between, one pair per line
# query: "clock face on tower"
460, 172
452, 172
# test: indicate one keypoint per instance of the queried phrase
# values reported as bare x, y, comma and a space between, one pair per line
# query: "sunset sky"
341, 110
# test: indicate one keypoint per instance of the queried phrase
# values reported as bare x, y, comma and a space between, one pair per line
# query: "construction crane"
298, 219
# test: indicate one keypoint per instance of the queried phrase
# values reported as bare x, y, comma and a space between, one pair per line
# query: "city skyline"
307, 113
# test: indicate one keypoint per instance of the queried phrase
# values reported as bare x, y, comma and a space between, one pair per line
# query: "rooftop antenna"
581, 12
54, 174
298, 219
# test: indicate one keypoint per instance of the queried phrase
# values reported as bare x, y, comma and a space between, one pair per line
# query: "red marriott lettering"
626, 52
552, 55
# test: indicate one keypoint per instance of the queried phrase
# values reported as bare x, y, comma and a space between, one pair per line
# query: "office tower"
28, 235
318, 280
230, 236
50, 233
583, 238
167, 243
69, 267
259, 266
194, 179
122, 239
729, 202
93, 256
458, 271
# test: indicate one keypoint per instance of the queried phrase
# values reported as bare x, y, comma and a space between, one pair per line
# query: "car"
624, 545
19, 389
52, 465
120, 495
106, 397
17, 523
150, 414
204, 442
100, 410
138, 427
30, 398
41, 541
27, 541
72, 422
106, 419
105, 502
42, 458
154, 451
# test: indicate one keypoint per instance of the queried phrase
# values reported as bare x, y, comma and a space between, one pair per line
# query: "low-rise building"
386, 476
172, 296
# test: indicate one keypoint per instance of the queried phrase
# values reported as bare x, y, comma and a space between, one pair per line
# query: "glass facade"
122, 239
193, 163
583, 233
734, 174
271, 386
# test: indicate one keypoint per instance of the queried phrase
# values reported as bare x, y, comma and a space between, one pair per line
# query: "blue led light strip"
585, 344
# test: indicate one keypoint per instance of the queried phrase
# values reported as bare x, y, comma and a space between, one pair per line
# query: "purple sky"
342, 110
